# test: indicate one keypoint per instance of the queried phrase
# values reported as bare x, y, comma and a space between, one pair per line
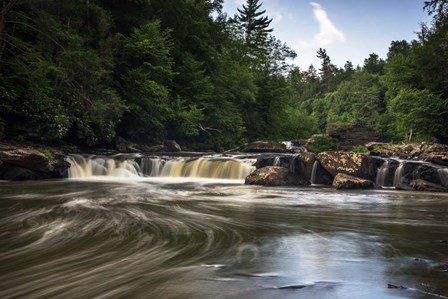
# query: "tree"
422, 111
374, 65
255, 25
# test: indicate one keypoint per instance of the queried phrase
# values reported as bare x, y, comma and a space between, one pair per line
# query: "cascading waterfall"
313, 173
276, 161
97, 166
398, 176
383, 173
151, 166
216, 168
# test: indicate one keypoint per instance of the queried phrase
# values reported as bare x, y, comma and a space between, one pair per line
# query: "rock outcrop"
266, 147
354, 164
31, 164
345, 181
422, 185
272, 176
171, 146
431, 152
354, 135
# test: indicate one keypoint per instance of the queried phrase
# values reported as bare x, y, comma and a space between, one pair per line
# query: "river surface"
202, 238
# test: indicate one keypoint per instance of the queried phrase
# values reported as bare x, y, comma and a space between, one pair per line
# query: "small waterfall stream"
399, 174
313, 173
382, 174
213, 167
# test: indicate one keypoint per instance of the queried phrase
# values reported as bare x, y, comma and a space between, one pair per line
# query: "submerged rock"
422, 185
272, 176
345, 181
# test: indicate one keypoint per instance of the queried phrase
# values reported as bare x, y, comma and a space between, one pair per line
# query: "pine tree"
255, 25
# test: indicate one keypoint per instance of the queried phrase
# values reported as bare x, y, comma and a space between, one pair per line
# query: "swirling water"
199, 238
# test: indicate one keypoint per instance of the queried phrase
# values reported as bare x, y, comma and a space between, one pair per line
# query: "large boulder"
354, 164
171, 146
345, 181
125, 146
31, 164
266, 147
422, 185
350, 136
301, 164
272, 176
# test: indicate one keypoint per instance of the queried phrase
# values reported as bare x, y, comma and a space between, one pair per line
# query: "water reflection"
154, 238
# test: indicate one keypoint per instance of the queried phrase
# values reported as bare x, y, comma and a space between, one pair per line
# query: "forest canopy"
148, 70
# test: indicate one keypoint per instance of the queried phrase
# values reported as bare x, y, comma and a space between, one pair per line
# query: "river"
115, 237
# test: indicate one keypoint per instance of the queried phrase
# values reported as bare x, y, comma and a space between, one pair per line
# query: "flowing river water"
190, 237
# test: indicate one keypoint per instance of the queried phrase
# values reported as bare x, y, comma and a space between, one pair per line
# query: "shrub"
322, 143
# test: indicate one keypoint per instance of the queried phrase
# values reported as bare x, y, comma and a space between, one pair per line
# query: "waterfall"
398, 176
276, 161
382, 174
443, 176
151, 166
217, 168
313, 173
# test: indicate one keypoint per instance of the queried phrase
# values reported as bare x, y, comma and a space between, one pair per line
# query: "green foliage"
87, 71
46, 151
360, 149
297, 124
422, 111
338, 126
323, 143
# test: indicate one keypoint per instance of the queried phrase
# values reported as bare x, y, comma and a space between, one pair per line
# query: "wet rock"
344, 181
266, 147
358, 165
440, 158
422, 185
171, 146
31, 164
272, 176
125, 146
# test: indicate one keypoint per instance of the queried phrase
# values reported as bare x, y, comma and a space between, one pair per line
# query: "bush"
359, 149
322, 143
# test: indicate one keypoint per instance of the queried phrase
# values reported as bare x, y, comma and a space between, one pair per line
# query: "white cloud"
328, 33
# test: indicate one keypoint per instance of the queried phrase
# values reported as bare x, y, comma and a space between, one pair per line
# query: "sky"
347, 29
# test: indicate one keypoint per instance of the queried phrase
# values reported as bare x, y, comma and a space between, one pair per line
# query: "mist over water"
156, 237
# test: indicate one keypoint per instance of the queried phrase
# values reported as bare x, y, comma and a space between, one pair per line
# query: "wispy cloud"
328, 33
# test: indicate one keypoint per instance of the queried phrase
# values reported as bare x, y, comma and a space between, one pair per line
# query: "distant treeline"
149, 70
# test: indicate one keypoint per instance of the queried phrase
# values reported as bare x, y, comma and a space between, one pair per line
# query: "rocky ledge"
31, 164
348, 170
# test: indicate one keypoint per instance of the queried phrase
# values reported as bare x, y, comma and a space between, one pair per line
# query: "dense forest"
148, 70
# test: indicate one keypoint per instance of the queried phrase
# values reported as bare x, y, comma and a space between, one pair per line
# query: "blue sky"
347, 29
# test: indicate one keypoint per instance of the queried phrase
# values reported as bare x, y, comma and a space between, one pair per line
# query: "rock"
353, 135
440, 158
344, 181
266, 147
422, 185
300, 165
125, 146
358, 165
31, 164
171, 146
271, 176
16, 173
27, 158
152, 149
